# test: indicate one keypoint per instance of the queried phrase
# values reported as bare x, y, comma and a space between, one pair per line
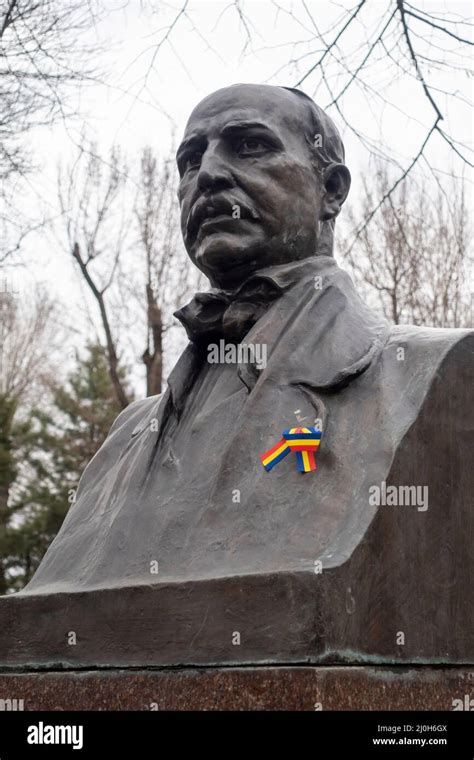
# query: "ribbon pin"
303, 441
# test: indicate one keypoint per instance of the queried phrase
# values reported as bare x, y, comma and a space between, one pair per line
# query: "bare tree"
356, 53
92, 204
123, 232
42, 57
26, 332
414, 256
165, 276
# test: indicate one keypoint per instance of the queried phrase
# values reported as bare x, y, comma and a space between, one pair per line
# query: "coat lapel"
321, 338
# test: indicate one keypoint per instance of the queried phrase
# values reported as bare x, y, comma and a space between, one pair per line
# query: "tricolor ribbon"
303, 441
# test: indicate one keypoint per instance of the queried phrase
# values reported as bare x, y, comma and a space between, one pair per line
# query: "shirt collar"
284, 276
333, 305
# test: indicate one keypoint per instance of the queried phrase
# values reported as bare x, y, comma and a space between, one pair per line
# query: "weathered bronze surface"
178, 538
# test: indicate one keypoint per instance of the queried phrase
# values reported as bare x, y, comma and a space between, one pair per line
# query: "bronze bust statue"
179, 485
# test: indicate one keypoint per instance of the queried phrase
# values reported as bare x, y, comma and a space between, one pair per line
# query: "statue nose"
214, 170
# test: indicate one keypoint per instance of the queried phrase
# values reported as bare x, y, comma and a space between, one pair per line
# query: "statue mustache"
206, 207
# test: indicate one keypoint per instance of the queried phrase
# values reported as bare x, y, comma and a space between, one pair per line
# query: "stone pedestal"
252, 688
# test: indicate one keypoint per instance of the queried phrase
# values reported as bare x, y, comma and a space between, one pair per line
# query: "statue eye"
251, 146
193, 160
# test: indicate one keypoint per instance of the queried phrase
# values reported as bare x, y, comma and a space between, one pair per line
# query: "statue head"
262, 179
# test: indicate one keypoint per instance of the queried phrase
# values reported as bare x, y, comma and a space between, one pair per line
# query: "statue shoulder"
432, 344
133, 415
417, 361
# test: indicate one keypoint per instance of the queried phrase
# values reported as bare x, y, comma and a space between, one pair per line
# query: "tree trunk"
7, 478
153, 359
119, 389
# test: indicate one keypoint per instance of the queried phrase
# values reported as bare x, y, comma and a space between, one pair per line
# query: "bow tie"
222, 314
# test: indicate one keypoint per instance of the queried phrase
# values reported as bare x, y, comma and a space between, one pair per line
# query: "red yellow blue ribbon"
303, 441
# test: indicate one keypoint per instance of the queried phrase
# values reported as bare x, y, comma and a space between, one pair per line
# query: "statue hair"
330, 151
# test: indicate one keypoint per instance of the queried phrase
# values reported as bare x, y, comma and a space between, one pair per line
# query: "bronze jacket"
178, 484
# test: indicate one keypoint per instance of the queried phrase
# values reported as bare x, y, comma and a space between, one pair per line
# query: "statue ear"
337, 181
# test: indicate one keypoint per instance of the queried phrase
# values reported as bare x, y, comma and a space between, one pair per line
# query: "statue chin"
226, 256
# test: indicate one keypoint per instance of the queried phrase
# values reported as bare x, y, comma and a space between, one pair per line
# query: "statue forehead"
272, 105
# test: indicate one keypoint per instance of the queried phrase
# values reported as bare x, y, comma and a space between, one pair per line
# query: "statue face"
248, 193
